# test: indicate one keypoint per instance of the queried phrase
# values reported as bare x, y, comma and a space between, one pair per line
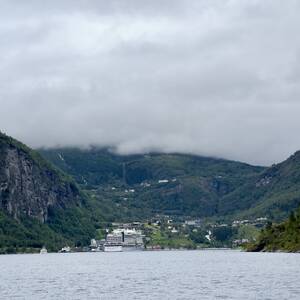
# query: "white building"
163, 181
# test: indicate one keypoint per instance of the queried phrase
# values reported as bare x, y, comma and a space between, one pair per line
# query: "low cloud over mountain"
219, 78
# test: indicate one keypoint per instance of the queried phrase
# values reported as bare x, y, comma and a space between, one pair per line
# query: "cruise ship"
113, 242
119, 240
132, 239
112, 248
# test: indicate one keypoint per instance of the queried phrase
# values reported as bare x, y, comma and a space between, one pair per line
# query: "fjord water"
151, 275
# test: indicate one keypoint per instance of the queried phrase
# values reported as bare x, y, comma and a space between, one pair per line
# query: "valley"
58, 197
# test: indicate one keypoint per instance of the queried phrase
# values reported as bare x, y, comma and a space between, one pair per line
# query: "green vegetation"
213, 189
195, 186
114, 188
176, 235
69, 217
163, 237
26, 235
73, 226
279, 237
248, 232
202, 187
274, 193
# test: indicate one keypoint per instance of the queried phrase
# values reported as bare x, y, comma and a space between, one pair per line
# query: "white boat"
66, 249
112, 248
43, 250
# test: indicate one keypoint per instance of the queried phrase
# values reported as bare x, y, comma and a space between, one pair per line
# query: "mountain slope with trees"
39, 204
196, 186
172, 184
280, 237
274, 193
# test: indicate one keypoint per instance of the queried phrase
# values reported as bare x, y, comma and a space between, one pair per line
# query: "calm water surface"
151, 275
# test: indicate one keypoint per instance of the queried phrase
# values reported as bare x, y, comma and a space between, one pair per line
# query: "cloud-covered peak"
218, 78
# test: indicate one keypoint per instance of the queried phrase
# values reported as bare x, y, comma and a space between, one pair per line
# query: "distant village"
138, 236
164, 232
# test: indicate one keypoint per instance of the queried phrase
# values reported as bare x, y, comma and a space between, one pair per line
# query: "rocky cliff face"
29, 185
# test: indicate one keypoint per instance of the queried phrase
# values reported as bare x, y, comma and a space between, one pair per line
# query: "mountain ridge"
194, 183
231, 189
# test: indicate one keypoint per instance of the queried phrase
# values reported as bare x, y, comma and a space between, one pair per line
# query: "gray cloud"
218, 78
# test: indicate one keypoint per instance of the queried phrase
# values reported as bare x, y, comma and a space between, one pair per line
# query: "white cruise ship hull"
133, 248
112, 248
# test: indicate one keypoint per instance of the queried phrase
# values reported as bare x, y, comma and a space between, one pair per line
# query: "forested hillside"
144, 185
280, 237
184, 184
274, 193
39, 205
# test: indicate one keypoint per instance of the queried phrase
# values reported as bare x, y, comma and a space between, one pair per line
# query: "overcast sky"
218, 78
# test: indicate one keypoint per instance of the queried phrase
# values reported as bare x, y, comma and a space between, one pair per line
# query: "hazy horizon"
212, 78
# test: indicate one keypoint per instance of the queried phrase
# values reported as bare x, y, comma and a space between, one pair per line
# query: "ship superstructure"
120, 239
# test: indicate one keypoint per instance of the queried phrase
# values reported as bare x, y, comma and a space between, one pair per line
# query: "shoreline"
144, 250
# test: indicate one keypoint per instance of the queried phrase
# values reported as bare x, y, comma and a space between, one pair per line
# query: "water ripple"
151, 275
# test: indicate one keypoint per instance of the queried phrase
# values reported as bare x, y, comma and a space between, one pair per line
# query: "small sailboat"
43, 250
